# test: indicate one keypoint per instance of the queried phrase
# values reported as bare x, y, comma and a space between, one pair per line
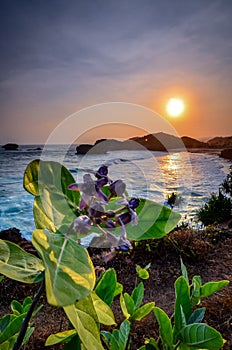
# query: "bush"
227, 183
216, 210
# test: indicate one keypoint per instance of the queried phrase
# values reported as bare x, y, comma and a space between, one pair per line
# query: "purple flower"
96, 210
131, 216
89, 189
120, 243
117, 188
82, 224
123, 218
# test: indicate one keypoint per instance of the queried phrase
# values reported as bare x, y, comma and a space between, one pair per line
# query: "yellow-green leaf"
19, 265
84, 318
69, 272
61, 337
103, 311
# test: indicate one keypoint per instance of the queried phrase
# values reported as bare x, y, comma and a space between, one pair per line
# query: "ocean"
153, 175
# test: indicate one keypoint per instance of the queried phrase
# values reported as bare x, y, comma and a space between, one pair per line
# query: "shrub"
216, 210
227, 183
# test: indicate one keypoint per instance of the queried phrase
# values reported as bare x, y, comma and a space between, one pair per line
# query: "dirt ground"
206, 253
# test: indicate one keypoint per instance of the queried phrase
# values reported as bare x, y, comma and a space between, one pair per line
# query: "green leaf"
16, 307
27, 301
28, 334
154, 220
212, 287
104, 313
30, 181
61, 337
1, 278
138, 294
197, 316
106, 337
184, 270
19, 265
201, 336
106, 286
165, 327
142, 273
84, 318
12, 326
74, 343
119, 337
182, 290
54, 204
143, 311
196, 290
6, 320
129, 302
118, 289
9, 343
69, 272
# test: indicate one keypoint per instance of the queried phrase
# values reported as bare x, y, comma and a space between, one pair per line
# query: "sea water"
152, 175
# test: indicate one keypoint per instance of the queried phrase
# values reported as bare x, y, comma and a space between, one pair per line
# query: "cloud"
58, 55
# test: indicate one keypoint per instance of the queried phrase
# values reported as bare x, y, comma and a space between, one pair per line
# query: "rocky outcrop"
161, 142
150, 142
83, 148
226, 153
190, 142
165, 142
116, 145
11, 146
220, 142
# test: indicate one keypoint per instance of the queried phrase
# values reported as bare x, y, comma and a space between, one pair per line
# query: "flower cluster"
95, 195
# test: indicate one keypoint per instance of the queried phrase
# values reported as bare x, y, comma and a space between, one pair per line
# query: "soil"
207, 253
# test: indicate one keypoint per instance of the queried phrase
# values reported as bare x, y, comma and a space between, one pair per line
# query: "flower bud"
109, 224
123, 247
133, 203
110, 213
102, 172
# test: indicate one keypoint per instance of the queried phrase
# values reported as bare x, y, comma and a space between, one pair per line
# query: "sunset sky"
59, 56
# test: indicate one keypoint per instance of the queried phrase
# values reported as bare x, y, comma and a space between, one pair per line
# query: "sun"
175, 107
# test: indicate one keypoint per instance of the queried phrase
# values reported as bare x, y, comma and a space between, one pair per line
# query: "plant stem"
27, 318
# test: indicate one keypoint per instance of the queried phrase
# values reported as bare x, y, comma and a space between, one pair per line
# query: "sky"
59, 57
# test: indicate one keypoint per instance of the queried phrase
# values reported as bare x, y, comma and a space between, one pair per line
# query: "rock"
90, 149
14, 235
104, 146
220, 142
35, 149
150, 142
226, 153
190, 142
83, 148
11, 146
159, 142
